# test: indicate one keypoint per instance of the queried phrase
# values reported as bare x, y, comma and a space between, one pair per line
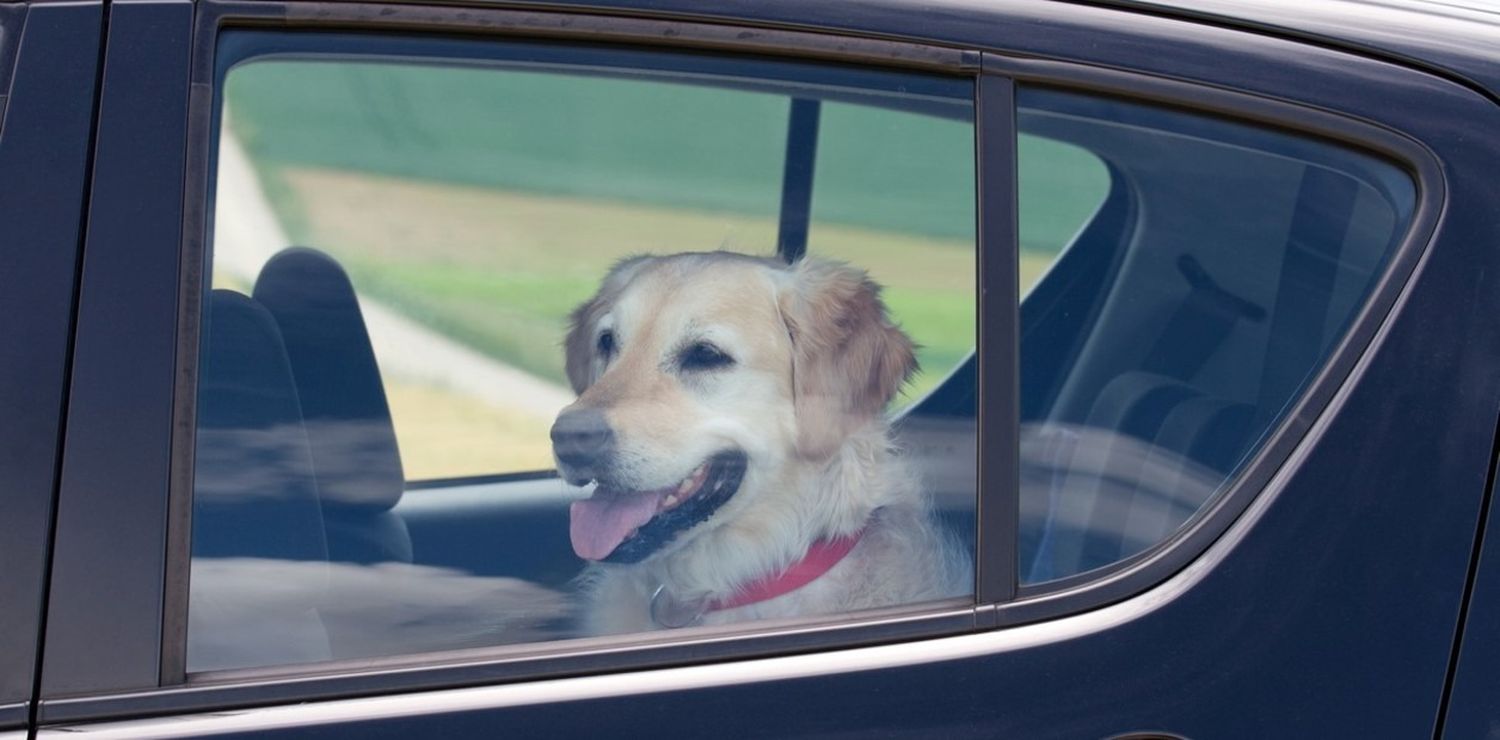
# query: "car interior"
1184, 318
1157, 351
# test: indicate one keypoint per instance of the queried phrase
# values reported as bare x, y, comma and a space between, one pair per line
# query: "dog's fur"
816, 360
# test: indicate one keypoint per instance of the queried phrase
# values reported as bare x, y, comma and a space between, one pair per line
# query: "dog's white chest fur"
903, 557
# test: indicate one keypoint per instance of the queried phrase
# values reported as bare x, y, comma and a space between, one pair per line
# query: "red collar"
820, 558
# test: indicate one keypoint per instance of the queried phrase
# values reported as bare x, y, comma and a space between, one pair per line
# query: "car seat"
355, 457
256, 516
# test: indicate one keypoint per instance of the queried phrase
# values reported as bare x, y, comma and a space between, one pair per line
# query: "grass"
486, 205
635, 141
501, 270
442, 434
473, 279
445, 434
624, 140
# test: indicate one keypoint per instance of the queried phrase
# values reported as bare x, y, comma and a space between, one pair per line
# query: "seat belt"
1199, 324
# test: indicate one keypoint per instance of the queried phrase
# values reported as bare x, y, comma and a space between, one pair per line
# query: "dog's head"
703, 378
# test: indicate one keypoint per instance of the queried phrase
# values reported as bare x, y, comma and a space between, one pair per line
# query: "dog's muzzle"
583, 443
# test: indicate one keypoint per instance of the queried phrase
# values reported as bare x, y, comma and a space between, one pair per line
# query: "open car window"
426, 250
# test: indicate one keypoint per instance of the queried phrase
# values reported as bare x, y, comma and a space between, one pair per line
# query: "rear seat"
256, 516
1149, 454
353, 441
297, 466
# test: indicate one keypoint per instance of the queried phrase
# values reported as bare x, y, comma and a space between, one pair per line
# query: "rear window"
1218, 266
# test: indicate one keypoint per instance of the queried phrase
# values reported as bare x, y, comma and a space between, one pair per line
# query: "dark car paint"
1432, 34
1473, 709
44, 148
114, 473
1446, 37
1336, 614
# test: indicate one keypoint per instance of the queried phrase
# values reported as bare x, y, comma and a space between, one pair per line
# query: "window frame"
111, 695
757, 639
12, 22
1124, 578
79, 694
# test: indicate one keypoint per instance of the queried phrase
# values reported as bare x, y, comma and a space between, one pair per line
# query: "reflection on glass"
251, 612
400, 244
1216, 270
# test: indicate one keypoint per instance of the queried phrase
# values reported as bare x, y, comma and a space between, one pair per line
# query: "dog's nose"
582, 438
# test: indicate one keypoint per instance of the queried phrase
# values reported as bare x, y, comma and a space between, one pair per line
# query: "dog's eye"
703, 356
606, 343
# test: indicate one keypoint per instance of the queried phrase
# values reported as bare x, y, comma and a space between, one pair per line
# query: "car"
1204, 293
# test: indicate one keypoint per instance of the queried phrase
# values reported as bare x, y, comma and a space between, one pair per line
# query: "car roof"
1458, 38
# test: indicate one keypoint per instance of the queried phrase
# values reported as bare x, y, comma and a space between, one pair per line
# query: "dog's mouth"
616, 525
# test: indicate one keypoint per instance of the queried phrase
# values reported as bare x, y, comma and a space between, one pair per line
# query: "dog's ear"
578, 345
848, 359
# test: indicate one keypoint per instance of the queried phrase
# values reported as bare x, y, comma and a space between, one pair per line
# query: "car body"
1341, 582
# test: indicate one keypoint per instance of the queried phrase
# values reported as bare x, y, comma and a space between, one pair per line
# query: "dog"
731, 416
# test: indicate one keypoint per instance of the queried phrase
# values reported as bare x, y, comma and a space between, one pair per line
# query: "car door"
48, 69
1169, 424
1470, 710
477, 556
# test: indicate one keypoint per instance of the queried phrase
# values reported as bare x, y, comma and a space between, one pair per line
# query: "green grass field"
501, 270
487, 204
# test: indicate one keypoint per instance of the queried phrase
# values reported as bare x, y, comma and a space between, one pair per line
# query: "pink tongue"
600, 523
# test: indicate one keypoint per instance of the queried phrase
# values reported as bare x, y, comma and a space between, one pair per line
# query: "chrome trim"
337, 680
637, 683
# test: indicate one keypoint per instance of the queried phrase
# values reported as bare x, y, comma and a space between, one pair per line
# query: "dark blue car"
1203, 295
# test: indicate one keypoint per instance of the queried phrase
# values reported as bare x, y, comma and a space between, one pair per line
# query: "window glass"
429, 290
906, 216
1063, 187
1218, 266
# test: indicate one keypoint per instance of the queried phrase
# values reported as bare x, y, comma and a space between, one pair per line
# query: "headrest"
344, 406
254, 493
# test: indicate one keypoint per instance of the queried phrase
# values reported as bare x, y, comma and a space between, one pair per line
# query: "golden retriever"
731, 414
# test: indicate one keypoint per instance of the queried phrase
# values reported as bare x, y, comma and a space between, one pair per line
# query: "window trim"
1122, 579
12, 22
997, 356
174, 632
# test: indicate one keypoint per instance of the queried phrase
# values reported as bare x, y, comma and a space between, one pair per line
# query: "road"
247, 233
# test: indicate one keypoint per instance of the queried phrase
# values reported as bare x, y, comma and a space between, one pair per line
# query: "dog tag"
671, 613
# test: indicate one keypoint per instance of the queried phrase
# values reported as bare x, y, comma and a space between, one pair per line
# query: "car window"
499, 231
1223, 264
442, 267
917, 198
1063, 186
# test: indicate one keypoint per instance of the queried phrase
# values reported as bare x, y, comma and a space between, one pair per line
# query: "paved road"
247, 233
